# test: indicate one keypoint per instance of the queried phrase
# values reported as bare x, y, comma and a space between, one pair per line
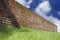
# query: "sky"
49, 9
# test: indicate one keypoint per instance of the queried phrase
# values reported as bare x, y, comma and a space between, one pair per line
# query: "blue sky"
49, 9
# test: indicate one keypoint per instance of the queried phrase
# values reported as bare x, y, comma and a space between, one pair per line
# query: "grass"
11, 33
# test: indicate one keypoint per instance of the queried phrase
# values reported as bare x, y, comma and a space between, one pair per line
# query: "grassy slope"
10, 33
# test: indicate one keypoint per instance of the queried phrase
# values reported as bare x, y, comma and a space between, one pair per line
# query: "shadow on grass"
6, 30
24, 30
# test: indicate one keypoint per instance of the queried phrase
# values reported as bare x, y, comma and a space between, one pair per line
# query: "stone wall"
26, 17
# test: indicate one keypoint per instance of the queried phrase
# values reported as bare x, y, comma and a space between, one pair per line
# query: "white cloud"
44, 6
24, 3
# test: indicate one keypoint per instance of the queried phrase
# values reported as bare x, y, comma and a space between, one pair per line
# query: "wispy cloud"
58, 12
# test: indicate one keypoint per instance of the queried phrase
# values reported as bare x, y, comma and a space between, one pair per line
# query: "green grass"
11, 33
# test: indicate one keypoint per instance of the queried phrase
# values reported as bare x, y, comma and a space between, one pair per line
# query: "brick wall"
26, 17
